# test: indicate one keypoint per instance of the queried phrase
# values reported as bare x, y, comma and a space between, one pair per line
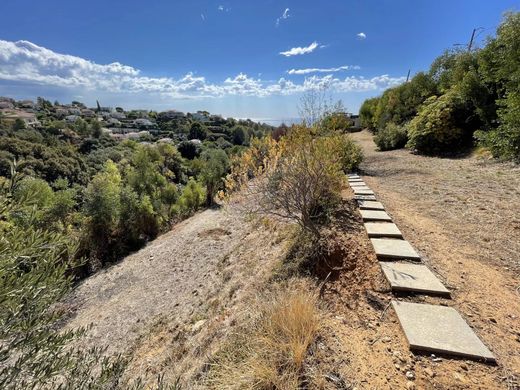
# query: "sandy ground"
170, 304
462, 215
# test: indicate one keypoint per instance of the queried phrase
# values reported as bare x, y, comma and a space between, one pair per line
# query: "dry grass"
269, 350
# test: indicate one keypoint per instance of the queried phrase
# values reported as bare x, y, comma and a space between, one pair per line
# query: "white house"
114, 122
118, 115
27, 104
72, 118
32, 122
74, 111
6, 104
200, 116
61, 112
171, 114
88, 113
142, 122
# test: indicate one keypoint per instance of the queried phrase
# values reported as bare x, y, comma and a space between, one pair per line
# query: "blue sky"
237, 58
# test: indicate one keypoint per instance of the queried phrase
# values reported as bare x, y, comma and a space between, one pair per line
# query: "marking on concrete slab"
370, 205
388, 248
365, 197
359, 191
413, 278
439, 329
383, 229
374, 215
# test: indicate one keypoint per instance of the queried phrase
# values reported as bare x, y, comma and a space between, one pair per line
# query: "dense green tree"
216, 165
103, 208
198, 131
335, 121
367, 113
474, 91
436, 129
188, 149
43, 103
173, 167
144, 174
96, 129
391, 137
239, 135
42, 160
500, 67
19, 124
191, 199
138, 222
36, 273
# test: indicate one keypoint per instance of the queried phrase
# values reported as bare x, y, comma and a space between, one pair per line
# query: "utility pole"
471, 40
408, 77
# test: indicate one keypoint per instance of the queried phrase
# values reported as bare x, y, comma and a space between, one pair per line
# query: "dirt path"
463, 216
170, 304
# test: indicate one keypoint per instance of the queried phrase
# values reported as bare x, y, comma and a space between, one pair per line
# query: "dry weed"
269, 350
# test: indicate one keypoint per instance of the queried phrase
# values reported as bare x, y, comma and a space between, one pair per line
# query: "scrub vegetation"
466, 98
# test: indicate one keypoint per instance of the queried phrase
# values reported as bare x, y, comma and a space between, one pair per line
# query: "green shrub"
435, 129
216, 165
192, 198
350, 153
36, 269
391, 137
504, 142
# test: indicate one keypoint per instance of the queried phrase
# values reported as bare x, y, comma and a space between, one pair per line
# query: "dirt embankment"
169, 305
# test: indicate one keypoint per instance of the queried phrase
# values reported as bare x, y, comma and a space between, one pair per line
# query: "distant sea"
277, 122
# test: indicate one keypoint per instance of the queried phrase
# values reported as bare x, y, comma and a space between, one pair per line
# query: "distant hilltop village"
132, 124
118, 123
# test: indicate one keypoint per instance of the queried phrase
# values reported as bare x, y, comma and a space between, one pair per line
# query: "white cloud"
284, 16
27, 63
361, 35
295, 51
220, 7
323, 70
203, 17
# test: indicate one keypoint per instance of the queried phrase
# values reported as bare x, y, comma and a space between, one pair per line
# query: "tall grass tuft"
269, 351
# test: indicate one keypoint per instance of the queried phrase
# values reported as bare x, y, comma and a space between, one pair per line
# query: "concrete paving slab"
370, 205
412, 277
361, 188
358, 184
388, 248
383, 229
355, 180
365, 197
353, 176
439, 329
362, 191
375, 215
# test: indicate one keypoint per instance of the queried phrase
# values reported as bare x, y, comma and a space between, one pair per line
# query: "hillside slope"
176, 297
170, 306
